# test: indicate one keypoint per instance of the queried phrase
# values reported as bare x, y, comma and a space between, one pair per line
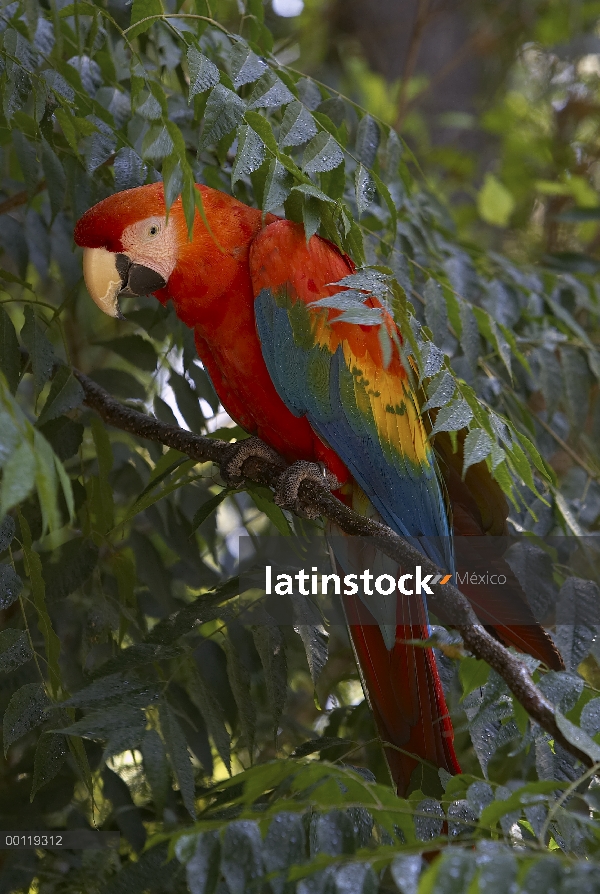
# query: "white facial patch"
152, 243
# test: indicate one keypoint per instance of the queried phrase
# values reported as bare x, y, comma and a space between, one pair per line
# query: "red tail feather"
404, 690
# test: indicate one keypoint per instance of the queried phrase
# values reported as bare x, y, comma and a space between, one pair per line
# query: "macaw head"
129, 245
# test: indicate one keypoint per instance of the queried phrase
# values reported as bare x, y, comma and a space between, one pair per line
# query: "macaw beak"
109, 275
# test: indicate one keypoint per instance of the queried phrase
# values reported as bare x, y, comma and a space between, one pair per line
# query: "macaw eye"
153, 230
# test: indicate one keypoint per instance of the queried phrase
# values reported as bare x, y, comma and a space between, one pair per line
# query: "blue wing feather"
408, 498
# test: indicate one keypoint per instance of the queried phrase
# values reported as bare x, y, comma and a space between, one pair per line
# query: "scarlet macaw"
315, 390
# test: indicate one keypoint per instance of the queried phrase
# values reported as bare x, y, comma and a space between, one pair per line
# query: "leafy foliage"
131, 688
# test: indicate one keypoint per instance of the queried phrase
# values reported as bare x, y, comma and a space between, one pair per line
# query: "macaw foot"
289, 486
238, 453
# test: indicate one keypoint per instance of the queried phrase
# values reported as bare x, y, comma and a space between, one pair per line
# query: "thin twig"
21, 198
594, 474
447, 603
410, 63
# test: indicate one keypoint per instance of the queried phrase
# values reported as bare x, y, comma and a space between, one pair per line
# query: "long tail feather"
404, 691
400, 679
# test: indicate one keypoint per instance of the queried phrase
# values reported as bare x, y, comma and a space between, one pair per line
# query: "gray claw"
289, 486
232, 468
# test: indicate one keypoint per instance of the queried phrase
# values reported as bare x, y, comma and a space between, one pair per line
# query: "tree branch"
448, 602
21, 198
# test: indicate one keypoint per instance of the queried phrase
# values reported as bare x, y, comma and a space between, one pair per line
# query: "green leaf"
179, 756
534, 455
453, 417
33, 566
311, 216
141, 11
11, 436
65, 394
50, 755
112, 690
239, 680
518, 799
250, 153
364, 187
590, 717
41, 352
436, 312
163, 411
149, 497
322, 154
441, 390
150, 109
204, 386
14, 649
10, 356
278, 185
135, 349
7, 532
387, 197
313, 635
473, 674
406, 870
46, 482
203, 869
157, 143
130, 170
119, 383
166, 465
490, 330
99, 489
10, 586
18, 477
55, 177
578, 737
172, 179
307, 189
284, 846
26, 710
270, 645
210, 709
126, 814
187, 401
469, 336
57, 83
245, 66
477, 446
65, 119
269, 93
241, 862
100, 725
297, 127
577, 382
156, 769
309, 93
367, 140
208, 508
64, 436
264, 501
205, 609
203, 73
28, 163
224, 111
494, 202
521, 465
262, 127
16, 91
